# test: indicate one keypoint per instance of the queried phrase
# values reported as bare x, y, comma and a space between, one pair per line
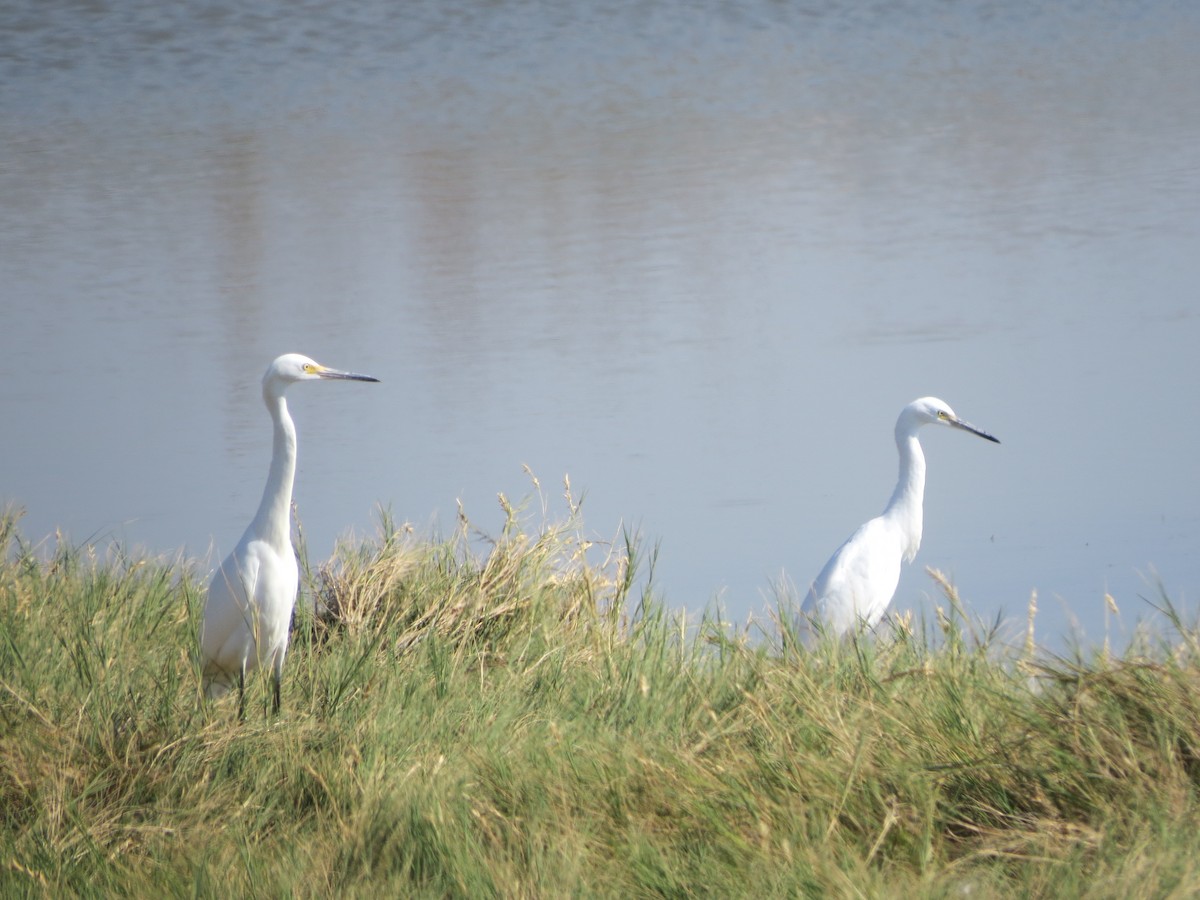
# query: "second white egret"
857, 584
248, 611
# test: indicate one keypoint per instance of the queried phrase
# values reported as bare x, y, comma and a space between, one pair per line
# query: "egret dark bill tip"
347, 376
967, 426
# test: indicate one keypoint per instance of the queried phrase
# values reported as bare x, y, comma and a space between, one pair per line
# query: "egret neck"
273, 521
905, 506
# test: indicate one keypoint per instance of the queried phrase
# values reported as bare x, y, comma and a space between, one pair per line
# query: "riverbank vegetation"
520, 717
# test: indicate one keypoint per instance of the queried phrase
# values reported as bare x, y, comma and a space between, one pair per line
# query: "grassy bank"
515, 724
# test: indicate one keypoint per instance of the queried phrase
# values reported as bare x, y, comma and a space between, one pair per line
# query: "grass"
529, 722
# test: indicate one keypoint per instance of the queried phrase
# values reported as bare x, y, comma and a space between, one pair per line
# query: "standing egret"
858, 582
249, 607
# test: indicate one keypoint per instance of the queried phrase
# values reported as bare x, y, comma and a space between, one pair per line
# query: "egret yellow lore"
248, 611
856, 586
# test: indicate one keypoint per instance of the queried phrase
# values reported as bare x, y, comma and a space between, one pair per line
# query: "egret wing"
227, 632
859, 580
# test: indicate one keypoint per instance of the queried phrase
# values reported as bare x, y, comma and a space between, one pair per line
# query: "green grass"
518, 723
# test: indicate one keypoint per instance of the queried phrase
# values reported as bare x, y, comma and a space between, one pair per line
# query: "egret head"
932, 411
293, 367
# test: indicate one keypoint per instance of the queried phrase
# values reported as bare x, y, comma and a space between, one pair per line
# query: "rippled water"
697, 257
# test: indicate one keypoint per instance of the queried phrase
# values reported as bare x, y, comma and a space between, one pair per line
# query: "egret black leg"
242, 693
275, 685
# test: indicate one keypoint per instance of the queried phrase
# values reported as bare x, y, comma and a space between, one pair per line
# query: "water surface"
696, 257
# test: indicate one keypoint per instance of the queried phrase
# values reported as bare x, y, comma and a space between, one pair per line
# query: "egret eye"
309, 368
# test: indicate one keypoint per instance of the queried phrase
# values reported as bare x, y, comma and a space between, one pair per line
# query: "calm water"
696, 256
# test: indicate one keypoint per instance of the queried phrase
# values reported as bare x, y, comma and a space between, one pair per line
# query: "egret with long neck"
248, 611
856, 586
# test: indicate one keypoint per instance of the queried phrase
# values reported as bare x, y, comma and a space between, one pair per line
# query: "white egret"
856, 585
248, 611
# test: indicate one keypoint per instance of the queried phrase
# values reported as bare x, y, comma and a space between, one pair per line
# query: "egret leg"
242, 693
275, 687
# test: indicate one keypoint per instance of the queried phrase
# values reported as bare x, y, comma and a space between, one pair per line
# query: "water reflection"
697, 257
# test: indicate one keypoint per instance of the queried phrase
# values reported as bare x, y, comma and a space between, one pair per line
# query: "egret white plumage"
248, 611
857, 584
